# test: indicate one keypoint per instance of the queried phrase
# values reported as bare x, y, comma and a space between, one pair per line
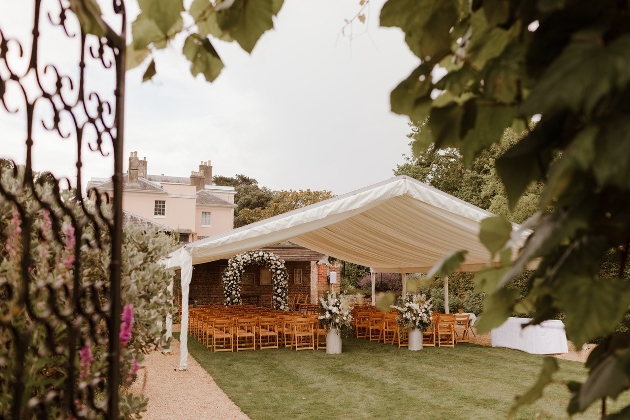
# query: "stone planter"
333, 341
415, 339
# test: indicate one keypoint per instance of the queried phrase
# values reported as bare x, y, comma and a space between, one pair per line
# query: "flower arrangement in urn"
414, 312
334, 310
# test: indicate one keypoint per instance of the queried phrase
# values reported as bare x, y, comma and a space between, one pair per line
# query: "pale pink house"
192, 206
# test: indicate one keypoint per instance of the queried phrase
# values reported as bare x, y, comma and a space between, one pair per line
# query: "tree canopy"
478, 183
248, 196
282, 202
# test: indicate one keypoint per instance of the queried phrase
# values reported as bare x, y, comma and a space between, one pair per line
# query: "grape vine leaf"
203, 57
150, 72
593, 308
448, 264
494, 232
89, 14
247, 20
426, 24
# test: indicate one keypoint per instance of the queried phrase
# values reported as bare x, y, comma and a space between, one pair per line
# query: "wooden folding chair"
401, 337
445, 330
462, 325
390, 328
376, 326
362, 324
303, 334
320, 334
286, 329
268, 333
223, 335
245, 334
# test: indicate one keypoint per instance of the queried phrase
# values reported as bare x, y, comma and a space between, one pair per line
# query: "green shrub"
55, 236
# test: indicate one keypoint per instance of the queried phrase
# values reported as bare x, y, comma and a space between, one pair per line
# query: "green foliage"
248, 196
282, 202
478, 183
243, 21
203, 57
352, 274
448, 264
566, 62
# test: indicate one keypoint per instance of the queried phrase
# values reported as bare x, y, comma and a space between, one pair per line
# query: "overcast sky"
309, 108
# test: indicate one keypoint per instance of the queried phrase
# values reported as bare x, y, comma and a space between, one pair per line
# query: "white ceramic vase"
333, 341
415, 339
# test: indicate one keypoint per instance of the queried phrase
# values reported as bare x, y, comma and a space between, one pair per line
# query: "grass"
371, 380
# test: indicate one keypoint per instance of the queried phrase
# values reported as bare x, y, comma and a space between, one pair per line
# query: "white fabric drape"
186, 264
446, 311
373, 278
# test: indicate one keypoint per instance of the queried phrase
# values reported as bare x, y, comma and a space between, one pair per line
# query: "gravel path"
182, 395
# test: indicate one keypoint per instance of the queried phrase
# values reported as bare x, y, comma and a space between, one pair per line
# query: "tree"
478, 183
567, 63
248, 196
282, 202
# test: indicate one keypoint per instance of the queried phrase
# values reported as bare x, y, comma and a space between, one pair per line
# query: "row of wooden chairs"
229, 329
446, 329
296, 300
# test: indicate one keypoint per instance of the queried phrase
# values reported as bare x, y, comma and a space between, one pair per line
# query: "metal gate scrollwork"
60, 248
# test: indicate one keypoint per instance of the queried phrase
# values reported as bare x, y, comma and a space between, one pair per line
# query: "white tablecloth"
546, 338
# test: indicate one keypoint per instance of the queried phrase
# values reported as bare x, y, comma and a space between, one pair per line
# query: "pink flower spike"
135, 367
127, 315
85, 361
68, 230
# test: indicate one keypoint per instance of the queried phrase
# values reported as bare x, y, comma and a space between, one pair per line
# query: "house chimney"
206, 168
132, 172
198, 180
142, 168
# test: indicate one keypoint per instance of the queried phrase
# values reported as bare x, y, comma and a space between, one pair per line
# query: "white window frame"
209, 213
157, 208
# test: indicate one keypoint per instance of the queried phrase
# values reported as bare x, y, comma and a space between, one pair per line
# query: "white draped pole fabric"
169, 322
186, 265
446, 295
373, 278
403, 276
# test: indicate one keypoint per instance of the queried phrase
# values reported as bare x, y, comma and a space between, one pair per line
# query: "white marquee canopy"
400, 225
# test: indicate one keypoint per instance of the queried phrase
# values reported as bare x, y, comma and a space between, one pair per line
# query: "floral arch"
279, 277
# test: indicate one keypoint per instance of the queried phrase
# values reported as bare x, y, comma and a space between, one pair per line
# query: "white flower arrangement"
414, 311
335, 312
279, 277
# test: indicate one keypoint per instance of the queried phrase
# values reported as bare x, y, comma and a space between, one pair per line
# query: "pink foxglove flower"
125, 326
85, 361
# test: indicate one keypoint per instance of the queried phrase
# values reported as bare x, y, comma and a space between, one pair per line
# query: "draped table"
546, 338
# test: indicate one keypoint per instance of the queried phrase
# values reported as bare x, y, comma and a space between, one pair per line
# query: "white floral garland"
279, 277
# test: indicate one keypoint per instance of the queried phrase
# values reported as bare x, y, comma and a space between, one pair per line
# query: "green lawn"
371, 380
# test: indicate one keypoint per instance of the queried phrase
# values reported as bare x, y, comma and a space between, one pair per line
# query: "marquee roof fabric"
399, 225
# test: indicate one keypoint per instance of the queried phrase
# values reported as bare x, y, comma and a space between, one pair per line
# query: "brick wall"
206, 285
322, 279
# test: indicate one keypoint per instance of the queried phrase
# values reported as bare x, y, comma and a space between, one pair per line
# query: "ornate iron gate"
49, 309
